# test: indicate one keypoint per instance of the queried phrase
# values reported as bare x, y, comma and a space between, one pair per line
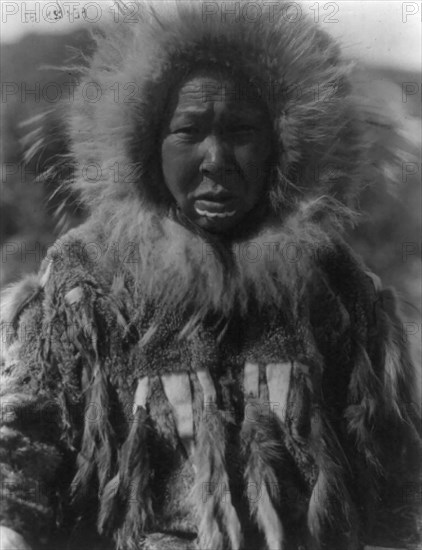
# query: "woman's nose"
215, 155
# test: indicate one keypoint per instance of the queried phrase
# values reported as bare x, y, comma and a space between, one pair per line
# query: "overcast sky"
382, 32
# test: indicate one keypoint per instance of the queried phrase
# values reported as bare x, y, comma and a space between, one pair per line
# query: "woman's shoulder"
80, 254
75, 275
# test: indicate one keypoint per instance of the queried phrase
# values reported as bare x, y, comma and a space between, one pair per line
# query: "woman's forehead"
201, 92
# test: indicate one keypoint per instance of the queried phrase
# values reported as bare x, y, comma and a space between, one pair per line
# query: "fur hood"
319, 122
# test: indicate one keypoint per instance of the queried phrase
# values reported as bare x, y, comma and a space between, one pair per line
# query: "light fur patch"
207, 384
74, 296
141, 394
278, 380
251, 380
178, 392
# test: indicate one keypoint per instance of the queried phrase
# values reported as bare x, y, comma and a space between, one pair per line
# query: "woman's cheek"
251, 159
174, 159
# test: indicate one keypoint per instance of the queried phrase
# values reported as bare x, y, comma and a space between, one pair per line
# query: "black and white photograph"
210, 308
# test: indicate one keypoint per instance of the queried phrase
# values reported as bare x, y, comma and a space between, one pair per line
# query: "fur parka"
167, 389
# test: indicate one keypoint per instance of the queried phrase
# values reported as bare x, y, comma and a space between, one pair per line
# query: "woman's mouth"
215, 214
218, 207
215, 209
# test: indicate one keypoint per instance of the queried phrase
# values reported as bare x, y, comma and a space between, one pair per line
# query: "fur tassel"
399, 384
263, 450
365, 395
331, 509
129, 489
386, 397
110, 512
210, 497
97, 450
135, 473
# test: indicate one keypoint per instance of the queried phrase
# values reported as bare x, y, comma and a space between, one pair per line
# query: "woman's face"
216, 151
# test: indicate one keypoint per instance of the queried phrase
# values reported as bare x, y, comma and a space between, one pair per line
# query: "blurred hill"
29, 87
388, 237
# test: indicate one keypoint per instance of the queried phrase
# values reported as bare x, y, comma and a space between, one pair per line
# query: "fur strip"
399, 386
263, 450
129, 490
365, 394
384, 393
110, 512
98, 442
211, 494
331, 511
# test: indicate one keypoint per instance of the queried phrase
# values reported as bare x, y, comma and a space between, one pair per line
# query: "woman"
205, 363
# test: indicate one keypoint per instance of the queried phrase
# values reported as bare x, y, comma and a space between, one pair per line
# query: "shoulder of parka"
56, 318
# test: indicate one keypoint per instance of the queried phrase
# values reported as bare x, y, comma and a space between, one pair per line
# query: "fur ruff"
324, 117
289, 63
320, 122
